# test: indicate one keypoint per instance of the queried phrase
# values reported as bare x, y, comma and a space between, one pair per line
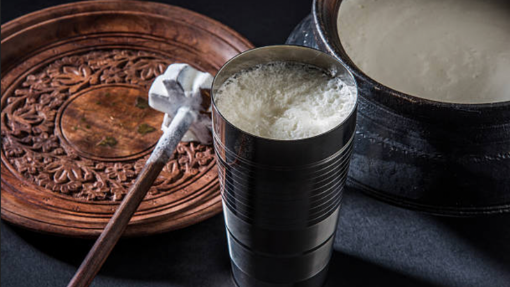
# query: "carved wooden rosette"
76, 127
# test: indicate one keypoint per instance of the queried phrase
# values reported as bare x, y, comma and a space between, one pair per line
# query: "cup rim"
287, 46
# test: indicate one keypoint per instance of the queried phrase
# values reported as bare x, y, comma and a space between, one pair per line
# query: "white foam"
285, 101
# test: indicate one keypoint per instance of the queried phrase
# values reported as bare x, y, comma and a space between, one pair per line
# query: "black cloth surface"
376, 244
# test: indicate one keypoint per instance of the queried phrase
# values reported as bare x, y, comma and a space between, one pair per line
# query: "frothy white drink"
285, 101
444, 50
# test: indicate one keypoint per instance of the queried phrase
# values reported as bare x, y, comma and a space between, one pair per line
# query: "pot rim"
334, 46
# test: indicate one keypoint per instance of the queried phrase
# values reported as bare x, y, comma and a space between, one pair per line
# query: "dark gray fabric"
438, 250
376, 244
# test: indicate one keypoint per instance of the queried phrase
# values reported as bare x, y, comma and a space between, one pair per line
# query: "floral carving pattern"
31, 145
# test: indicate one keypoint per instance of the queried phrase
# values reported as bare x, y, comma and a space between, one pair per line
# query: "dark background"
376, 245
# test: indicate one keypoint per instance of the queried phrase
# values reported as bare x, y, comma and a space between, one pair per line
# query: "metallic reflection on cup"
281, 197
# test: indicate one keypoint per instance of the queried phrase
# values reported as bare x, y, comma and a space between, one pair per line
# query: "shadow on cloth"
194, 256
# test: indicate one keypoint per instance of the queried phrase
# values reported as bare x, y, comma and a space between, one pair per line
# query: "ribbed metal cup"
281, 197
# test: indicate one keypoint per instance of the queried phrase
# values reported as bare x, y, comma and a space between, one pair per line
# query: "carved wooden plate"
76, 128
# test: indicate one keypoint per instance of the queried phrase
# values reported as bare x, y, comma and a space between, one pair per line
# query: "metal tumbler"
281, 197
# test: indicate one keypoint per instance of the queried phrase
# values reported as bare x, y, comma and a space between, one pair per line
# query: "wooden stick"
120, 219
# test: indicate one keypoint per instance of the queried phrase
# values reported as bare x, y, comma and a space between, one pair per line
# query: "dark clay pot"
442, 158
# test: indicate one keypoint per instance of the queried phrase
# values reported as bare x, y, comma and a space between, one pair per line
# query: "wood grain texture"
120, 219
76, 130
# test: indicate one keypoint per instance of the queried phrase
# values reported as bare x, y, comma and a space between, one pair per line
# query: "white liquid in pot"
445, 50
284, 101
